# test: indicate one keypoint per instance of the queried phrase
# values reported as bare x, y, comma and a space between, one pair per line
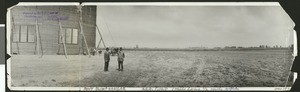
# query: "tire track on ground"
192, 75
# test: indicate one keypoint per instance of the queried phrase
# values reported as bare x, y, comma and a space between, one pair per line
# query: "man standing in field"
106, 59
121, 57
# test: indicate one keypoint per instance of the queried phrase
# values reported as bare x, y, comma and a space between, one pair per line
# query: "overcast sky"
193, 26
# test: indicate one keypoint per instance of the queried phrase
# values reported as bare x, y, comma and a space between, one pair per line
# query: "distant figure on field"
121, 57
106, 59
94, 51
99, 52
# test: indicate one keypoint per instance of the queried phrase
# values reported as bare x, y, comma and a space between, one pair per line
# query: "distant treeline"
213, 49
226, 48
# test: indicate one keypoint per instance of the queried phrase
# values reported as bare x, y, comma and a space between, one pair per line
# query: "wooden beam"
58, 46
40, 42
35, 45
11, 35
80, 47
100, 36
61, 38
84, 39
81, 30
99, 43
18, 47
37, 38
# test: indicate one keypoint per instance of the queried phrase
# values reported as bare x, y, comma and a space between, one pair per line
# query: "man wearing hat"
106, 59
121, 57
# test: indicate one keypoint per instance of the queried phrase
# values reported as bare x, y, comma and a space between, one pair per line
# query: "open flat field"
261, 68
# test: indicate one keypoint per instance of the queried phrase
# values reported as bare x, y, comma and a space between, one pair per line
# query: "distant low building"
198, 48
240, 47
230, 47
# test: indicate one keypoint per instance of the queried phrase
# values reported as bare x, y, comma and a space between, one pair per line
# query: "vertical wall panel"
47, 17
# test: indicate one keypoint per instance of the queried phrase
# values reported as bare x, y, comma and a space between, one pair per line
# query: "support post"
84, 39
80, 47
11, 35
61, 38
100, 36
41, 43
81, 31
58, 46
18, 47
37, 38
99, 43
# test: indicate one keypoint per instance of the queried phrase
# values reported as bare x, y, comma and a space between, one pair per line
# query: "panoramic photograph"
150, 46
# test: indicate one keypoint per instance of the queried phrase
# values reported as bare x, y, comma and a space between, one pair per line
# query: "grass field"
262, 68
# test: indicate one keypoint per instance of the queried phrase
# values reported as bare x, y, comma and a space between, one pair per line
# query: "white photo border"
8, 27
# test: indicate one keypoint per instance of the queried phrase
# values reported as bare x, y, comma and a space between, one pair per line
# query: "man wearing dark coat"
106, 59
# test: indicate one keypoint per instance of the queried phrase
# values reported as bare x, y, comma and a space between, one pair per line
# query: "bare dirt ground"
265, 68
